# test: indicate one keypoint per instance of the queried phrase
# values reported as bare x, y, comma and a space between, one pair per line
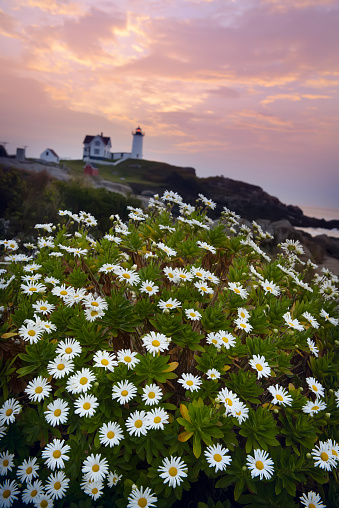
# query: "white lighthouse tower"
137, 143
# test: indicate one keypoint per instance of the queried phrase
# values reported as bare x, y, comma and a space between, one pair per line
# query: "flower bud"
275, 330
308, 455
328, 415
134, 267
134, 486
276, 411
96, 384
244, 468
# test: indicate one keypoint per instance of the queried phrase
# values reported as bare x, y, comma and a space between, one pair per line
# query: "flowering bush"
171, 351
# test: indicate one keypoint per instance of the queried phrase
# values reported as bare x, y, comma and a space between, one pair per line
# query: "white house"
49, 155
99, 148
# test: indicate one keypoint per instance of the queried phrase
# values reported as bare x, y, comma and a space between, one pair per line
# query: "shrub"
167, 355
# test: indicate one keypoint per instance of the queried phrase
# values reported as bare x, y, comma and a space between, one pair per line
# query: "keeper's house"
98, 148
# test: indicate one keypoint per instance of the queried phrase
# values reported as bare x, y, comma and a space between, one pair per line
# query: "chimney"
101, 134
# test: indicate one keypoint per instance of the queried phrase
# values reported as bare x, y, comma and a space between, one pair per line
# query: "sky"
247, 89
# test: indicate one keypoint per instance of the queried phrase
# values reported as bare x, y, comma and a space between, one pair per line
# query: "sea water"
321, 213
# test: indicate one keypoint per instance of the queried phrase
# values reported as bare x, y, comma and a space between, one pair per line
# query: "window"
96, 151
97, 143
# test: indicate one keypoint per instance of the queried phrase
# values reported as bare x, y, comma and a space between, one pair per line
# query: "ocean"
321, 213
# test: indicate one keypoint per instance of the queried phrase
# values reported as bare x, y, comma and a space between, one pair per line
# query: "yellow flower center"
237, 290
126, 275
33, 289
9, 412
189, 382
173, 471
104, 361
95, 491
57, 485
7, 493
242, 314
124, 393
43, 307
324, 456
63, 292
31, 333
127, 359
315, 408
138, 424
229, 402
225, 339
171, 275
68, 350
142, 502
259, 465
44, 504
149, 288
199, 274
193, 314
217, 457
86, 406
182, 276
214, 341
169, 305
279, 397
95, 468
259, 367
34, 493
312, 505
314, 388
29, 470
155, 343
95, 304
157, 419
110, 434
94, 313
334, 452
151, 395
83, 380
56, 454
38, 389
268, 288
212, 375
5, 463
57, 412
60, 366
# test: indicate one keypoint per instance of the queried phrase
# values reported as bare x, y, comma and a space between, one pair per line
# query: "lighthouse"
137, 143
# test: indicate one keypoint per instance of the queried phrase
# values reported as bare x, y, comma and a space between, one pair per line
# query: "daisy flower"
74, 296
211, 277
43, 307
28, 470
199, 272
173, 471
260, 365
315, 386
190, 382
3, 430
230, 400
6, 462
45, 325
137, 423
124, 392
192, 314
322, 454
62, 291
94, 489
129, 276
170, 273
206, 246
9, 409
128, 358
238, 289
213, 338
240, 412
95, 302
32, 492
213, 374
31, 332
312, 500
312, 347
68, 348
311, 319
217, 457
171, 303
93, 314
60, 367
105, 359
33, 287
332, 320
8, 493
334, 447
108, 267
243, 314
260, 465
141, 498
94, 467
207, 202
157, 418
155, 342
280, 395
38, 389
113, 478
85, 405
81, 381
170, 252
226, 339
203, 288
110, 434
270, 287
57, 412
180, 274
149, 287
152, 394
56, 485
55, 454
243, 324
292, 323
313, 408
43, 501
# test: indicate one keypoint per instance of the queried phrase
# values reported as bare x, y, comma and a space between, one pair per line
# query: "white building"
99, 148
49, 155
